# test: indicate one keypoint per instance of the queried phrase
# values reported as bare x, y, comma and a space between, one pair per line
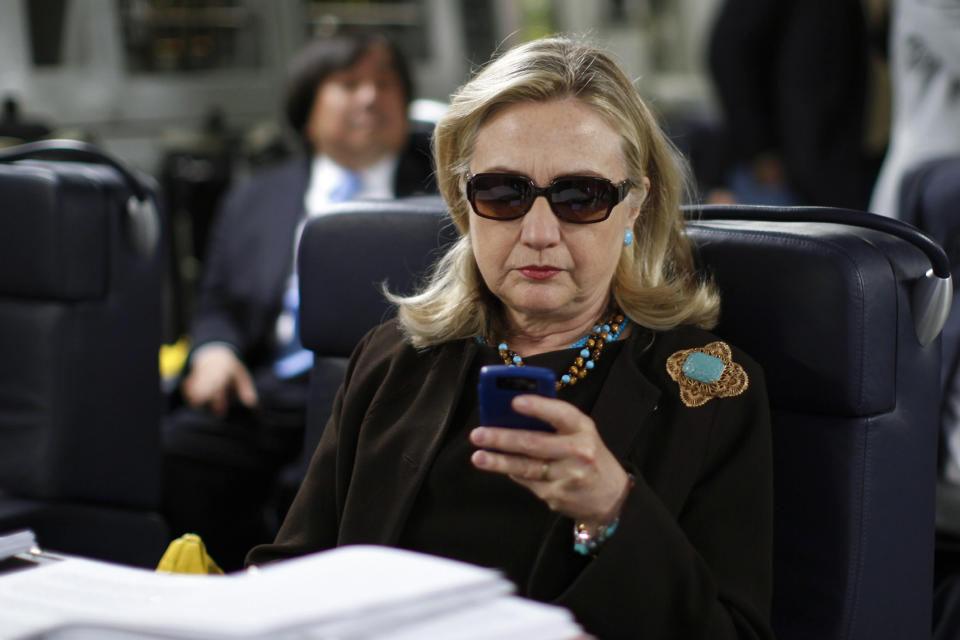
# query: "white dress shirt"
377, 182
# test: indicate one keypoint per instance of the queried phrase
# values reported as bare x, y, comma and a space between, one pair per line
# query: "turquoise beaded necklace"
591, 347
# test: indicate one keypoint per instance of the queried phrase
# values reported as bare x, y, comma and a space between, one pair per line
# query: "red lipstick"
538, 271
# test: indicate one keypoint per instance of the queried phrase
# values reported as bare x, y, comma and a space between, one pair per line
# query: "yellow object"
187, 554
173, 357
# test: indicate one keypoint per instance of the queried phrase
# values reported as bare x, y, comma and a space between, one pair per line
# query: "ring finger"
523, 468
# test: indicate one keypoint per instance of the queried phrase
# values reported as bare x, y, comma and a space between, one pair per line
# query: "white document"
349, 592
503, 617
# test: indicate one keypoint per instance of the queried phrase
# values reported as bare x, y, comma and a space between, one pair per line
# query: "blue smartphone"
500, 383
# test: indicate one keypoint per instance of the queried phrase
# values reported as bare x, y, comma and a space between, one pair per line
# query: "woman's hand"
571, 470
216, 374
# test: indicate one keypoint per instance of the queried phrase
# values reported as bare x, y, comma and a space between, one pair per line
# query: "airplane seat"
930, 199
344, 257
80, 330
837, 308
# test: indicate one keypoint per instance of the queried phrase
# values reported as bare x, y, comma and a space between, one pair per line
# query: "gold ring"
544, 471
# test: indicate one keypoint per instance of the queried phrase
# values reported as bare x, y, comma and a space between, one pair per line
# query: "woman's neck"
533, 334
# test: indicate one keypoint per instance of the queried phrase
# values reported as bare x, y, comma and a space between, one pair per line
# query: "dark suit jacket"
692, 555
792, 79
251, 252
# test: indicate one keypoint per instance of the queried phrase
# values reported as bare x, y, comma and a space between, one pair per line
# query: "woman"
663, 479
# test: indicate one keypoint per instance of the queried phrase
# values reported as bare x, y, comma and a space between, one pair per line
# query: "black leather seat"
344, 258
80, 330
930, 199
832, 312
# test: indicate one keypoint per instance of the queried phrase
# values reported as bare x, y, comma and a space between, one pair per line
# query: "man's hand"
216, 374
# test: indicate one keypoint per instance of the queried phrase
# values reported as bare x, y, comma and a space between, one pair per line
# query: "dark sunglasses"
576, 199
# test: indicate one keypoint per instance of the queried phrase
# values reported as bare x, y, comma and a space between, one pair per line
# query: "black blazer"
251, 252
692, 555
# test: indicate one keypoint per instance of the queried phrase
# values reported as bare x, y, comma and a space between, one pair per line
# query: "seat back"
344, 257
80, 330
827, 309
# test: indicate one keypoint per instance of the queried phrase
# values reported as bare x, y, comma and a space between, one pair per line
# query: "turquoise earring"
627, 238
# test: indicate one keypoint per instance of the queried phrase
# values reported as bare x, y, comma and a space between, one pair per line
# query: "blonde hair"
655, 282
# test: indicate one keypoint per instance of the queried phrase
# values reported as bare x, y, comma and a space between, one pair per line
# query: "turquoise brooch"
707, 372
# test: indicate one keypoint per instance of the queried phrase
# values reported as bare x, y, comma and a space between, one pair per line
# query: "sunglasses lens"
582, 199
499, 196
505, 196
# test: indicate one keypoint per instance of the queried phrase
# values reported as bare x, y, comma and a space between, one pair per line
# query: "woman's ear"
637, 205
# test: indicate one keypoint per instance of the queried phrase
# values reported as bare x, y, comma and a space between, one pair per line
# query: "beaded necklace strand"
591, 347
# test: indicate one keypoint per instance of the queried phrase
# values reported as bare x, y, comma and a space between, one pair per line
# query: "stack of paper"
17, 542
351, 592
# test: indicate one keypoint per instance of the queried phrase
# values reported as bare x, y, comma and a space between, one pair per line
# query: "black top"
460, 510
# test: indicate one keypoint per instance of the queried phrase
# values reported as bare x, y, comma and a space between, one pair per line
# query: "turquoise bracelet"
586, 543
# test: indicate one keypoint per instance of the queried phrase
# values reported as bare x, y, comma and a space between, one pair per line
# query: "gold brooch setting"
707, 372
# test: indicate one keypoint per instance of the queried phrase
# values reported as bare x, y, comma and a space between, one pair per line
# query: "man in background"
244, 395
806, 109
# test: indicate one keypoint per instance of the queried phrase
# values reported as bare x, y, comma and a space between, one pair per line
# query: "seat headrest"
55, 229
348, 252
810, 302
